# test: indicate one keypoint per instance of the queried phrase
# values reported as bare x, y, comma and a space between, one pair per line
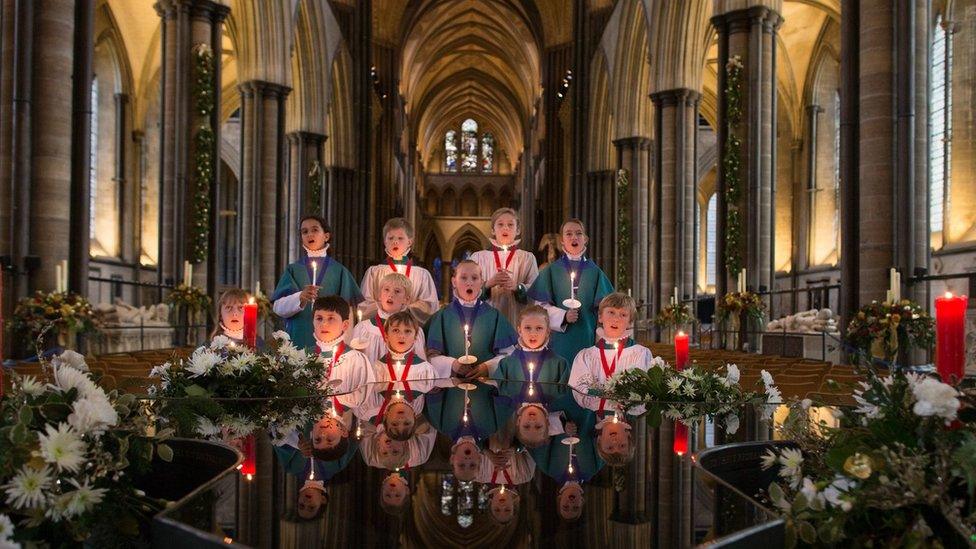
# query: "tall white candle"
257, 287
675, 300
64, 275
57, 278
572, 284
467, 340
897, 288
315, 272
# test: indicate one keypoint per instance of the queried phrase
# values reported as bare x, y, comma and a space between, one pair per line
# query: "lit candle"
249, 465
467, 341
251, 323
680, 350
950, 337
315, 272
680, 438
572, 285
502, 491
359, 315
674, 300
531, 378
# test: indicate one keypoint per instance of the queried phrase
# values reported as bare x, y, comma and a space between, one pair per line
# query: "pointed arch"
630, 79
340, 147
601, 117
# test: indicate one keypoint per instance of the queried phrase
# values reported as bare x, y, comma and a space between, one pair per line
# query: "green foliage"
732, 166
623, 230
204, 149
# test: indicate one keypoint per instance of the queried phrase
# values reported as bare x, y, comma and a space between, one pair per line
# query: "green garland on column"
203, 151
623, 229
732, 167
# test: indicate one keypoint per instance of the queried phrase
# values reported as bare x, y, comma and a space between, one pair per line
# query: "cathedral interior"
799, 148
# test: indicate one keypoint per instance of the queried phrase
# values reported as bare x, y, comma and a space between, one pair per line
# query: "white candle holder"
468, 358
572, 302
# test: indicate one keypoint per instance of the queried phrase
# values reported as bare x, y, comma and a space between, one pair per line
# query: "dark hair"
332, 303
318, 514
404, 318
321, 220
399, 436
334, 453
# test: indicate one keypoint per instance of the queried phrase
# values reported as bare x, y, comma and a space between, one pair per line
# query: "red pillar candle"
251, 323
249, 467
950, 337
680, 351
680, 438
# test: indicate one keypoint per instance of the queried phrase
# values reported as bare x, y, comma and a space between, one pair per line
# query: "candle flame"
502, 491
250, 300
572, 275
571, 468
681, 333
615, 419
948, 295
249, 477
228, 541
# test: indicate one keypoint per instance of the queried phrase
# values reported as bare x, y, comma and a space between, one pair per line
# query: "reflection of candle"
251, 323
467, 340
359, 315
531, 370
502, 491
950, 337
680, 438
531, 379
249, 449
572, 284
680, 350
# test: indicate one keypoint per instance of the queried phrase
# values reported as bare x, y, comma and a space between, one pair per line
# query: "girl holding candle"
468, 327
571, 278
508, 270
312, 276
230, 310
398, 237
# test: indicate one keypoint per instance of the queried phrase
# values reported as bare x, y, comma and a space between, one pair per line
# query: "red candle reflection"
680, 438
680, 351
249, 467
251, 323
950, 337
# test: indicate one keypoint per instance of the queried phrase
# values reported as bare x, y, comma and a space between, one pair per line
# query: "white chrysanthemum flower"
281, 335
673, 414
769, 459
62, 447
82, 499
220, 342
731, 375
731, 424
912, 378
6, 528
161, 370
31, 386
791, 462
92, 413
27, 489
206, 428
834, 494
70, 359
293, 355
202, 361
67, 378
767, 378
657, 362
674, 384
934, 398
809, 489
688, 389
240, 426
864, 407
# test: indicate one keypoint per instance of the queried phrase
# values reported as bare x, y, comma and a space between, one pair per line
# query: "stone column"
304, 154
263, 243
806, 205
185, 25
634, 155
631, 521
750, 34
81, 118
581, 101
676, 119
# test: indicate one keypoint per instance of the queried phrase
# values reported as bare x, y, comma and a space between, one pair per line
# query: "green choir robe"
490, 333
553, 458
333, 279
552, 287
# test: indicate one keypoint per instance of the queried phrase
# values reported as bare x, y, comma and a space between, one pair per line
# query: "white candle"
315, 272
675, 295
64, 275
897, 288
502, 491
531, 371
257, 288
572, 285
57, 278
467, 340
891, 281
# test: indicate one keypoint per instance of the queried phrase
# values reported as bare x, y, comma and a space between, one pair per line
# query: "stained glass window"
710, 217
450, 151
469, 146
487, 153
93, 160
940, 126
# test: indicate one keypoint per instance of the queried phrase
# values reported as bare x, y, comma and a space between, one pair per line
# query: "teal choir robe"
490, 335
333, 279
552, 287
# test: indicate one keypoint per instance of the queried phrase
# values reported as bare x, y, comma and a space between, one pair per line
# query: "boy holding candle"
394, 295
398, 237
313, 276
570, 289
468, 327
508, 271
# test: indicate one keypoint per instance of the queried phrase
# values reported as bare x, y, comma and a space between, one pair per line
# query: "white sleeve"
532, 272
522, 468
485, 469
493, 362
556, 424
420, 345
426, 291
420, 446
442, 365
557, 316
288, 306
368, 305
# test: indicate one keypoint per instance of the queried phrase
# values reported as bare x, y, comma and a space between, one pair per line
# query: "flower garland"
734, 303
732, 166
225, 390
65, 312
623, 228
191, 298
899, 471
884, 329
315, 188
689, 395
673, 316
67, 460
203, 151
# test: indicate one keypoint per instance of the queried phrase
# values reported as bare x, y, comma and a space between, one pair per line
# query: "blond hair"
465, 262
398, 223
573, 220
620, 300
616, 459
231, 295
398, 280
502, 211
532, 310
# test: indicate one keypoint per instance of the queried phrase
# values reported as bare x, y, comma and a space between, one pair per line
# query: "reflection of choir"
507, 399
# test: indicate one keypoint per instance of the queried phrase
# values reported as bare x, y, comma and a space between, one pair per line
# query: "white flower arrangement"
68, 444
